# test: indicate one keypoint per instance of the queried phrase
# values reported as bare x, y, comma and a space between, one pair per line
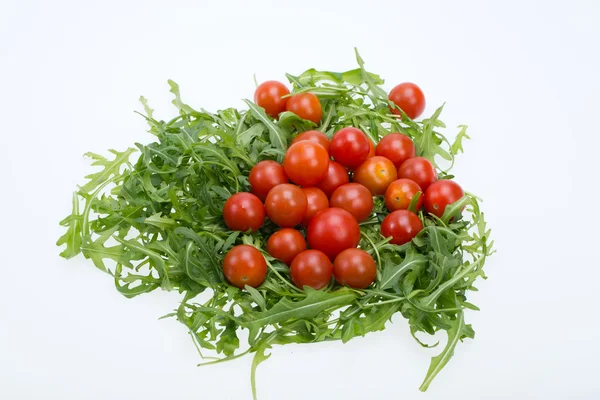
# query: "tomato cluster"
325, 188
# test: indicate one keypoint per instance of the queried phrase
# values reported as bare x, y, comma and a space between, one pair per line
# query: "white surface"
522, 75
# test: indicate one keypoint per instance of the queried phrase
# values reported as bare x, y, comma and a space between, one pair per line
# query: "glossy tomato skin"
306, 163
315, 136
268, 95
243, 211
400, 193
264, 176
355, 268
396, 147
311, 268
409, 97
420, 170
350, 147
440, 194
286, 205
376, 174
337, 175
402, 226
354, 198
285, 244
317, 201
332, 231
244, 265
306, 106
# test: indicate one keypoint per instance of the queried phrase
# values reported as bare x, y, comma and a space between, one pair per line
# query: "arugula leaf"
392, 273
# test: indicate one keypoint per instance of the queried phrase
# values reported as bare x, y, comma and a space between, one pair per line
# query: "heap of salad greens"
155, 221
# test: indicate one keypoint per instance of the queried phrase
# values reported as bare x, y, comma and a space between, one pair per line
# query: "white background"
522, 74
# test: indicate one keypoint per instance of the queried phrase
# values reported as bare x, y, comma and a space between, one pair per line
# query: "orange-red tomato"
400, 193
269, 95
244, 265
243, 211
336, 177
315, 136
317, 201
409, 97
306, 163
306, 106
396, 147
285, 244
311, 268
376, 174
264, 176
355, 268
286, 205
354, 198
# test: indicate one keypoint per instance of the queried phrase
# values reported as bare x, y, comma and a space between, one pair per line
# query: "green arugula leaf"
392, 272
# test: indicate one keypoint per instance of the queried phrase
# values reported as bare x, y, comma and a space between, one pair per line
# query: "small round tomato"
244, 265
371, 149
311, 268
243, 211
440, 194
350, 147
264, 176
402, 226
315, 136
306, 106
400, 193
286, 205
332, 231
317, 201
376, 174
355, 268
268, 95
409, 97
285, 244
354, 198
420, 170
306, 163
336, 177
396, 147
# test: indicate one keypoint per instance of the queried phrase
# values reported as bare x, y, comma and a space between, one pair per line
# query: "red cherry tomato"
306, 106
396, 147
311, 268
371, 150
268, 95
336, 177
355, 268
264, 176
440, 194
402, 226
317, 201
420, 170
285, 244
354, 198
243, 211
409, 97
400, 193
306, 163
332, 231
244, 265
376, 174
286, 205
350, 147
315, 136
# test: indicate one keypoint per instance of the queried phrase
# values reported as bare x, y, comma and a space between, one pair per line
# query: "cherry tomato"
306, 106
244, 265
311, 268
264, 176
285, 244
402, 226
243, 211
317, 201
420, 170
371, 149
336, 177
354, 198
350, 147
409, 97
332, 231
306, 163
440, 194
376, 174
400, 193
355, 268
268, 95
286, 205
396, 147
315, 136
